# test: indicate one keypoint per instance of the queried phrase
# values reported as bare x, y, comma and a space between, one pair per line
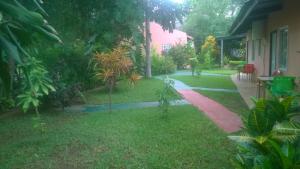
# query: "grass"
232, 101
223, 82
144, 91
121, 139
221, 71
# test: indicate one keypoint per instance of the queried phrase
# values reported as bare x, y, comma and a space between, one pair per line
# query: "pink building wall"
162, 38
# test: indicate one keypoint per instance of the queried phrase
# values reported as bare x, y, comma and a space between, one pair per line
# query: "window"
253, 50
283, 48
273, 52
259, 48
247, 51
166, 47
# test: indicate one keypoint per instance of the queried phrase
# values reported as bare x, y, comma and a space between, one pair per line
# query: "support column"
222, 53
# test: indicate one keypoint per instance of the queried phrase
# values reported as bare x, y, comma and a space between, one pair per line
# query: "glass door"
273, 52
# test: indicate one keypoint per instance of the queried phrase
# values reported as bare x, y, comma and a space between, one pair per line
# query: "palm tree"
18, 26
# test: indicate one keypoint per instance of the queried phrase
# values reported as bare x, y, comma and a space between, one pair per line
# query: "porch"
247, 89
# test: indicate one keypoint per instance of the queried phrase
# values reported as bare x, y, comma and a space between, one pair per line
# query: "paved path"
224, 118
247, 89
180, 85
189, 73
120, 106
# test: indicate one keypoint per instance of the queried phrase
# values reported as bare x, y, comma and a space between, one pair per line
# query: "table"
261, 85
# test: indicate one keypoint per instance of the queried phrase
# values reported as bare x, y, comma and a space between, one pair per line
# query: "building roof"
232, 37
251, 11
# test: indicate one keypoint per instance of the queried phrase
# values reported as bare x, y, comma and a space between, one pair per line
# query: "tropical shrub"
68, 63
6, 104
162, 64
209, 52
164, 96
111, 66
181, 54
65, 95
194, 65
36, 84
19, 26
235, 64
226, 60
271, 138
134, 78
136, 52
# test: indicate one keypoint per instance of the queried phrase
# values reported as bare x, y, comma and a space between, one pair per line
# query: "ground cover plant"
222, 82
221, 71
143, 91
231, 100
121, 139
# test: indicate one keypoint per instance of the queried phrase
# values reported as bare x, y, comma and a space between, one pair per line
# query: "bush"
162, 65
164, 96
209, 52
271, 136
111, 66
235, 64
194, 65
181, 54
69, 63
226, 60
68, 67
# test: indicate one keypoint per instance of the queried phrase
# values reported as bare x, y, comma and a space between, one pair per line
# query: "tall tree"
106, 21
211, 17
112, 20
165, 13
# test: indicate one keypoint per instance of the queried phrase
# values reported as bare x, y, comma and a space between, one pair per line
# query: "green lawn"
121, 139
221, 71
223, 82
233, 101
145, 90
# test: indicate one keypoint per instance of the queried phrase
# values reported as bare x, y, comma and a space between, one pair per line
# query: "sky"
178, 1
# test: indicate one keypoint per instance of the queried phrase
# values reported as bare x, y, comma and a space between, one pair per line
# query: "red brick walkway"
225, 119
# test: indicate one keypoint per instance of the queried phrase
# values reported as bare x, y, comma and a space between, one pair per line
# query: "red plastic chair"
249, 70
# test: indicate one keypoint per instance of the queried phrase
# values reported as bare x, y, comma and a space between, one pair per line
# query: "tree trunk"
111, 85
148, 41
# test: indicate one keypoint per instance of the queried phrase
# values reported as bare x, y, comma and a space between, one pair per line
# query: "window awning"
251, 11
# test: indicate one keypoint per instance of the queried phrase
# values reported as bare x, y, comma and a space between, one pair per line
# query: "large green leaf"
10, 49
48, 34
286, 131
22, 14
15, 40
39, 7
5, 78
259, 123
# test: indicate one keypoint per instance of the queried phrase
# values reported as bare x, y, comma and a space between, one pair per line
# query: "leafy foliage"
271, 137
36, 85
194, 63
209, 51
164, 95
18, 27
210, 17
165, 13
111, 66
181, 54
162, 64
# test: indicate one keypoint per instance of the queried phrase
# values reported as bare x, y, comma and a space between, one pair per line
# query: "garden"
81, 86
